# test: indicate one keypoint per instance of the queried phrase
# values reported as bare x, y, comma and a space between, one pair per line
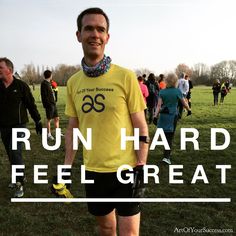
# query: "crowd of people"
96, 95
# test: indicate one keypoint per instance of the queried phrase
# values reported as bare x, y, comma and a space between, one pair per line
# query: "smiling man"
106, 98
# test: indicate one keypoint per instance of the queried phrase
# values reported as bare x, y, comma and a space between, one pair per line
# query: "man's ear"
78, 35
108, 37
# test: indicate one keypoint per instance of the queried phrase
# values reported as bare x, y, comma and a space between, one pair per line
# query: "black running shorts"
51, 112
106, 185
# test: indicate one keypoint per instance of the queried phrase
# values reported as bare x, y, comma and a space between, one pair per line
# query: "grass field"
157, 218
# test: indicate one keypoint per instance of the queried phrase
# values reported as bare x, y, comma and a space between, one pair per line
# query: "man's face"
4, 71
93, 36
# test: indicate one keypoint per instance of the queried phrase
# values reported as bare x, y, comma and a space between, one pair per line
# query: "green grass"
157, 218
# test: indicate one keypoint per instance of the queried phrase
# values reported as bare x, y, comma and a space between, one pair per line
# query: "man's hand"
38, 127
138, 185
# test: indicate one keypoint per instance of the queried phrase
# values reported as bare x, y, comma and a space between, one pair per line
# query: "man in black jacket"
15, 99
49, 102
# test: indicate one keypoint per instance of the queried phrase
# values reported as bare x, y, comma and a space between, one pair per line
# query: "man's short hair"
94, 10
8, 62
47, 74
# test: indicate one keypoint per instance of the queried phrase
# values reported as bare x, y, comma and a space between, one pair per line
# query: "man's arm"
185, 104
139, 121
70, 153
30, 104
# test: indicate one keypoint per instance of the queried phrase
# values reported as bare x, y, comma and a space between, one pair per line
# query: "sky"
153, 34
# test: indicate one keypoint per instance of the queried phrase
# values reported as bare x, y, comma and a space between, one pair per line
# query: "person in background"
223, 92
161, 82
15, 100
144, 78
144, 91
166, 114
216, 90
153, 96
227, 85
188, 97
106, 97
54, 88
183, 85
49, 103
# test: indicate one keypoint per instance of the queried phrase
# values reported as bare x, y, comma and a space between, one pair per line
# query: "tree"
225, 70
201, 74
29, 74
63, 72
182, 68
33, 75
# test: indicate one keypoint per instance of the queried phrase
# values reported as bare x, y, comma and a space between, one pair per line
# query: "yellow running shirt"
104, 104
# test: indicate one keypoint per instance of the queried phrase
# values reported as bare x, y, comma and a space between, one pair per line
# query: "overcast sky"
153, 34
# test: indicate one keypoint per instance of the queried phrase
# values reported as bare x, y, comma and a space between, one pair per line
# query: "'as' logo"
93, 103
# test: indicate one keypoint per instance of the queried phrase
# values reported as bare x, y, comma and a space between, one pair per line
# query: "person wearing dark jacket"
153, 89
216, 90
15, 99
49, 102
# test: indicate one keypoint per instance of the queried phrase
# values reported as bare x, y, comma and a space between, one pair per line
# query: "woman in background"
167, 108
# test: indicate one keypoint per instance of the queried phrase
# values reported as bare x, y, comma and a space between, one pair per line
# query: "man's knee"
107, 224
107, 228
129, 225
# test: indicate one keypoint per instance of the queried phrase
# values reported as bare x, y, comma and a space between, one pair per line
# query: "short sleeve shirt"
104, 104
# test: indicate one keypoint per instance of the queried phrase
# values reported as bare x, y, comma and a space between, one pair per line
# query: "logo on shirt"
93, 103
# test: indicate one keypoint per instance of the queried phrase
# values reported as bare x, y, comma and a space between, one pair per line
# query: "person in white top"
183, 85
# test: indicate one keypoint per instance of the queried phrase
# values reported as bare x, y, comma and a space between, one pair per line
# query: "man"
190, 87
216, 90
184, 88
106, 98
49, 103
15, 99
